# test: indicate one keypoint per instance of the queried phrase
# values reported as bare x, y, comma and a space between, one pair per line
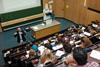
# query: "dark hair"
80, 56
67, 47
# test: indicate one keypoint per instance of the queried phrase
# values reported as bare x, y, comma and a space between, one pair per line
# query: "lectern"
41, 31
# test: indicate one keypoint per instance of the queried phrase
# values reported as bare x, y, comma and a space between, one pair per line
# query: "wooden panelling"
83, 16
78, 13
98, 5
44, 2
47, 31
74, 10
82, 12
86, 16
77, 10
69, 9
97, 16
58, 8
94, 4
92, 16
91, 3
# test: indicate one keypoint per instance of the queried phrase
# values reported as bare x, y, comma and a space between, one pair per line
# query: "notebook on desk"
41, 49
57, 47
94, 25
95, 54
59, 53
87, 34
45, 41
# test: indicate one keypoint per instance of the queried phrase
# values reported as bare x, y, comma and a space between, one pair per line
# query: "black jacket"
17, 35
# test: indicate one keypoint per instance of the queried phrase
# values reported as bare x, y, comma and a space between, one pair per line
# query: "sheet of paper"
99, 37
35, 27
49, 20
72, 42
81, 35
95, 54
77, 41
45, 41
54, 36
43, 24
41, 49
94, 25
27, 56
83, 28
57, 47
53, 43
59, 53
52, 40
86, 33
28, 52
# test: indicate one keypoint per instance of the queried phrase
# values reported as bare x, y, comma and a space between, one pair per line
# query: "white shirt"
21, 40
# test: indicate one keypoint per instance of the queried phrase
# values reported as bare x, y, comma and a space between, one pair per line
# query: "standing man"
20, 35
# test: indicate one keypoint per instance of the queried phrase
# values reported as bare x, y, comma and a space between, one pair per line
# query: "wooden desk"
41, 31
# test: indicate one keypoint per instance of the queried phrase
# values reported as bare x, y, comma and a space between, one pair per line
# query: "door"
58, 8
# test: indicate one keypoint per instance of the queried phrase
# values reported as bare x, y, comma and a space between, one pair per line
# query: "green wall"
20, 13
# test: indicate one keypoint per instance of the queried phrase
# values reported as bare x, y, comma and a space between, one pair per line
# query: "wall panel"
93, 4
68, 9
58, 8
78, 12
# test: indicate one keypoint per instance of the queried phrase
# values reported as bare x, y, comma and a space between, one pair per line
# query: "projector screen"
15, 5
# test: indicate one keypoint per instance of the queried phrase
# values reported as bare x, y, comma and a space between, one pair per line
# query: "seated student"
32, 53
59, 37
35, 47
47, 58
79, 58
48, 45
80, 44
67, 47
65, 38
96, 25
87, 42
91, 30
